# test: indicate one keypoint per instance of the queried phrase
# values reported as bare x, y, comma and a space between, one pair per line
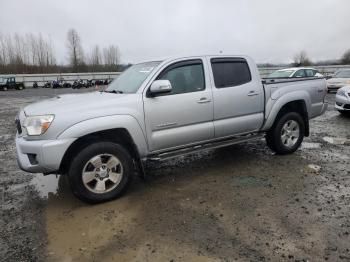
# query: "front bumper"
342, 103
41, 156
334, 87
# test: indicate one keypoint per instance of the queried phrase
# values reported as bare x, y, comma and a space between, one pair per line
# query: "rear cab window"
229, 72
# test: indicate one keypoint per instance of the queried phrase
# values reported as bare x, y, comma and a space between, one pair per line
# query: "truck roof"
170, 58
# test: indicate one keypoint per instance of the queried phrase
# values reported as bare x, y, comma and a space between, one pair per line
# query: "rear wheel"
100, 172
286, 134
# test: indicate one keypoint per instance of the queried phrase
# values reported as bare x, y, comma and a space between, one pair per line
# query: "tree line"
302, 59
31, 53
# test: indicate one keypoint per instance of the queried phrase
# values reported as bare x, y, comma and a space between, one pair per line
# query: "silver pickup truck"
159, 110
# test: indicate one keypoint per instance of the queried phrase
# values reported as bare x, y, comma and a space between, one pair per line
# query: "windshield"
342, 74
279, 74
130, 80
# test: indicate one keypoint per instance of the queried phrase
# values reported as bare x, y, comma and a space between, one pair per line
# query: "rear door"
185, 115
238, 96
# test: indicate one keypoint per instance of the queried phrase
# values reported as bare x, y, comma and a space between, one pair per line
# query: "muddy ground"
241, 203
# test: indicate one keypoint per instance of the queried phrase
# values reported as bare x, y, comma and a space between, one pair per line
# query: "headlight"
37, 125
341, 92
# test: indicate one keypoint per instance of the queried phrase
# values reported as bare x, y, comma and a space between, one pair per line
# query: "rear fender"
273, 107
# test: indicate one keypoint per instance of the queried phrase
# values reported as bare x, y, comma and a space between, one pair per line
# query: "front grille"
338, 104
18, 125
346, 106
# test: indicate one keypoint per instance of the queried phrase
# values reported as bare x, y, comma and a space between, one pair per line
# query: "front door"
185, 115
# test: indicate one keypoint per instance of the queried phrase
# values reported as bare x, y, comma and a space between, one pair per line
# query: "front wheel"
286, 134
100, 172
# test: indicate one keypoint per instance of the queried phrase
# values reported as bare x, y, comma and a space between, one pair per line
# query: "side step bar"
198, 148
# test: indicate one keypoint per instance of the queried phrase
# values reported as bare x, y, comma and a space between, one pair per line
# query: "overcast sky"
267, 30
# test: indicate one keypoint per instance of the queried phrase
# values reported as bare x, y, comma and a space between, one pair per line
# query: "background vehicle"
99, 82
342, 100
160, 110
78, 84
295, 72
35, 85
7, 83
57, 84
47, 85
339, 79
67, 85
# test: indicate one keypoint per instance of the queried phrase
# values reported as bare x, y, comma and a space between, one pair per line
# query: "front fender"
93, 125
273, 107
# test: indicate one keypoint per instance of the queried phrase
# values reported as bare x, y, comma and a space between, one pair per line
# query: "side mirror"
160, 87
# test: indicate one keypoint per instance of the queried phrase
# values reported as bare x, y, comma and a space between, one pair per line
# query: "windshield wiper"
114, 91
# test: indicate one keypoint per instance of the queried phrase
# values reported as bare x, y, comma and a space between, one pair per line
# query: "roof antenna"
220, 51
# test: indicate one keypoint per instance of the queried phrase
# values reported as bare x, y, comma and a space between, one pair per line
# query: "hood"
338, 81
345, 89
71, 103
71, 109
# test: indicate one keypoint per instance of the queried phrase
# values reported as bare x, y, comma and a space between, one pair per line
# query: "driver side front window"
185, 77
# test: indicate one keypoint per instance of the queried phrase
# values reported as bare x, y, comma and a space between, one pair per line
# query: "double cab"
162, 109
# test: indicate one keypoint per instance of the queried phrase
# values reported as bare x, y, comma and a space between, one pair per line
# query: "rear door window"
230, 72
300, 73
310, 72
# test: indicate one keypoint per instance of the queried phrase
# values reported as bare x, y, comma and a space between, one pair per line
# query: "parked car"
7, 83
57, 84
342, 100
339, 79
295, 72
66, 85
78, 84
89, 83
160, 110
99, 82
47, 85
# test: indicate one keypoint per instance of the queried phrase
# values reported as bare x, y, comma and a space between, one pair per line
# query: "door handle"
320, 90
203, 100
252, 93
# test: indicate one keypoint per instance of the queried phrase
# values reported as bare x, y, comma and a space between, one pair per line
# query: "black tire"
274, 135
83, 157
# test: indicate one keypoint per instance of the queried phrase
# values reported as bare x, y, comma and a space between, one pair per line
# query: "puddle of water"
45, 185
337, 140
309, 145
249, 181
314, 168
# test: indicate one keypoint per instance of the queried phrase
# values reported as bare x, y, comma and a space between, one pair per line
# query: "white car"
295, 72
342, 100
340, 78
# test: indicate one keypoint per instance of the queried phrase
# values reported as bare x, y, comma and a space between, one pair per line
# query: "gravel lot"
241, 203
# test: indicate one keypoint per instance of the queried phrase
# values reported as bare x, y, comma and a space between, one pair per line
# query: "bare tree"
111, 57
301, 59
95, 59
76, 55
345, 60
